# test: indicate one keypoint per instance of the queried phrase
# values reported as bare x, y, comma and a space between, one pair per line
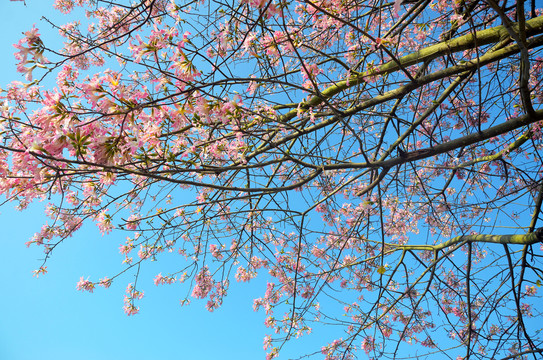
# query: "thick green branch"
524, 239
513, 146
409, 87
480, 38
469, 41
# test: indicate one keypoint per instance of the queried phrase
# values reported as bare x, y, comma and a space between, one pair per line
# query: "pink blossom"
41, 270
368, 344
133, 222
105, 282
267, 342
129, 308
215, 252
85, 285
204, 283
244, 275
125, 248
310, 71
530, 290
159, 279
103, 221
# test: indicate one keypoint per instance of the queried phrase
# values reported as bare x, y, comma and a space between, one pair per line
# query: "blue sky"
46, 318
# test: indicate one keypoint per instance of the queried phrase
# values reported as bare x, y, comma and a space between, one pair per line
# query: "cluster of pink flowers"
216, 296
103, 221
42, 270
105, 282
309, 74
159, 279
66, 6
368, 344
244, 275
85, 285
131, 295
30, 52
204, 283
215, 252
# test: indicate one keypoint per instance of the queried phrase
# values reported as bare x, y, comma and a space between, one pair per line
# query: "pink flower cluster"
30, 52
85, 285
159, 279
131, 295
204, 283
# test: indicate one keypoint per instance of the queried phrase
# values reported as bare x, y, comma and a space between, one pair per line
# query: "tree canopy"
378, 163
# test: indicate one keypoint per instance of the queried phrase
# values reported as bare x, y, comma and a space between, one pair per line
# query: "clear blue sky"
46, 318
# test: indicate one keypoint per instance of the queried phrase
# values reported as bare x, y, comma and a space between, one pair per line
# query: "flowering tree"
377, 163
